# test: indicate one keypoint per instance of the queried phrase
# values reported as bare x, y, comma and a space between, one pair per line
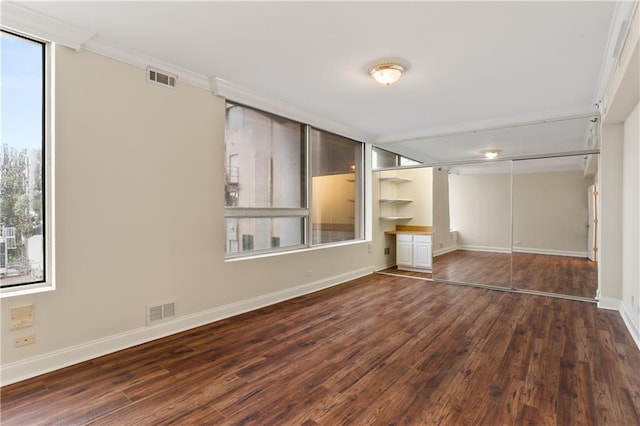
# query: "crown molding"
242, 95
25, 21
618, 32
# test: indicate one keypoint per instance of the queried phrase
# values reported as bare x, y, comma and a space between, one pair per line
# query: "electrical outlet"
24, 340
370, 247
387, 251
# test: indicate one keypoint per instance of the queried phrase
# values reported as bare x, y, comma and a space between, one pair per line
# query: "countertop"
411, 229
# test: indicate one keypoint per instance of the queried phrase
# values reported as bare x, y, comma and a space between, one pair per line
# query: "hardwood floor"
476, 267
574, 276
377, 350
552, 274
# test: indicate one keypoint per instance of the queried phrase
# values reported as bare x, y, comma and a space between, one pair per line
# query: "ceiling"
473, 64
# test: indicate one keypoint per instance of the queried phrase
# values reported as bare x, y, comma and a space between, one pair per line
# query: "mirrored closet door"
479, 230
555, 225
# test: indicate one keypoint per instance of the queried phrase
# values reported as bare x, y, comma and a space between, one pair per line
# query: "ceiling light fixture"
490, 153
388, 71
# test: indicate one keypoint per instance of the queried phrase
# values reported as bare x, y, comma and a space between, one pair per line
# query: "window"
334, 187
22, 154
287, 186
381, 158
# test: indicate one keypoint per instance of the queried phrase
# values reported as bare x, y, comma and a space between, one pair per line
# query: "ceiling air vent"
163, 78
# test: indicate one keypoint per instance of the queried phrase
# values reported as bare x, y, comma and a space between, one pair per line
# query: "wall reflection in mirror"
555, 225
478, 249
525, 221
525, 224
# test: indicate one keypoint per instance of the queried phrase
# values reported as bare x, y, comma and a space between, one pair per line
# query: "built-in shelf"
395, 179
390, 212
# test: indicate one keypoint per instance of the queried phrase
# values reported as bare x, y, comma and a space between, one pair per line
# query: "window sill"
27, 289
293, 251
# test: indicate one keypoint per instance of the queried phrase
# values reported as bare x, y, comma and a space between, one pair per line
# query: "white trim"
445, 250
48, 160
617, 33
28, 22
485, 248
550, 252
631, 326
476, 126
242, 95
31, 367
123, 54
609, 303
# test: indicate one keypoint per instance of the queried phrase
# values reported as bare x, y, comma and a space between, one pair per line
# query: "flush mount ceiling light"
387, 71
491, 153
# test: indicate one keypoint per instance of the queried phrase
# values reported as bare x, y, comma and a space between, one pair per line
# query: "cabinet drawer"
405, 238
422, 238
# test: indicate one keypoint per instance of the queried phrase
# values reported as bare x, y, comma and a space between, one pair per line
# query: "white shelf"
395, 200
395, 179
390, 212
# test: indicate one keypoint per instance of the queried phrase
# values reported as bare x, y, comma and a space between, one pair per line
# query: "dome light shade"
387, 71
491, 153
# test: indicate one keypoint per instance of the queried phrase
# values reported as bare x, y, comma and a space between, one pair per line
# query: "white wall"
139, 221
442, 238
550, 212
481, 210
631, 216
610, 217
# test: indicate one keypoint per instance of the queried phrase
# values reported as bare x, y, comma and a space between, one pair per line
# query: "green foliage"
16, 208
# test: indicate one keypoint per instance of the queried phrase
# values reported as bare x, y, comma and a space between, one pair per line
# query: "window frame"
47, 283
303, 212
398, 160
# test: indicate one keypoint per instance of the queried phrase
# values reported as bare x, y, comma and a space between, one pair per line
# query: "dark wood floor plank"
377, 350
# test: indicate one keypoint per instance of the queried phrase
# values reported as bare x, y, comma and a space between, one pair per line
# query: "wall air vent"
160, 312
163, 78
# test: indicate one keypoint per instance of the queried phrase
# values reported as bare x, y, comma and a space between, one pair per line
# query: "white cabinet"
404, 250
413, 252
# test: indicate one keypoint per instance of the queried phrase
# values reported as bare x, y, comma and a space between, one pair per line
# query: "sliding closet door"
551, 225
480, 226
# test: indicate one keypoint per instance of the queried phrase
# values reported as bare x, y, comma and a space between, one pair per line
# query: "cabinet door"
422, 255
404, 253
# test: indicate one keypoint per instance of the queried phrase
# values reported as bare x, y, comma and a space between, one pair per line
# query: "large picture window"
287, 186
22, 162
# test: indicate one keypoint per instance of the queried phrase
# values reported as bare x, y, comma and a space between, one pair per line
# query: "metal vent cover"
161, 312
162, 78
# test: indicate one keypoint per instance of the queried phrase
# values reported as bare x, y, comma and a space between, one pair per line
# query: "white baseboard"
485, 248
31, 367
631, 325
445, 250
550, 252
609, 303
